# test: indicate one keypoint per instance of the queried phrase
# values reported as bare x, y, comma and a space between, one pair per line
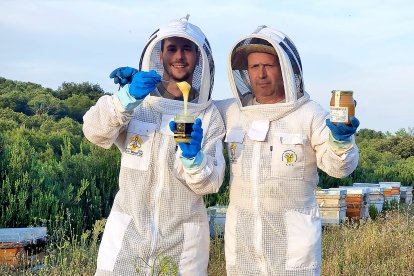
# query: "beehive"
332, 205
22, 246
356, 202
217, 220
406, 195
332, 197
409, 195
360, 184
375, 194
391, 190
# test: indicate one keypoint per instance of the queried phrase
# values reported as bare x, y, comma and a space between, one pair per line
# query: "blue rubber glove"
143, 83
192, 149
341, 131
123, 75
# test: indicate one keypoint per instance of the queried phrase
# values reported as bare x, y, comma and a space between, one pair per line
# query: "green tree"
68, 89
77, 105
44, 103
15, 100
369, 134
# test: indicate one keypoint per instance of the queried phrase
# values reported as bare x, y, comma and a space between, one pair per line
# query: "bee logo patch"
233, 148
289, 157
134, 145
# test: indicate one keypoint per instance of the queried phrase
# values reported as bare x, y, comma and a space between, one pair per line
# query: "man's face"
179, 57
265, 77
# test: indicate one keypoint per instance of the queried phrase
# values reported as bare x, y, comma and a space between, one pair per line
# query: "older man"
277, 137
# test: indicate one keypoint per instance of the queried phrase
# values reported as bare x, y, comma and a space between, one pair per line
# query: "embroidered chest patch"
289, 157
134, 145
233, 150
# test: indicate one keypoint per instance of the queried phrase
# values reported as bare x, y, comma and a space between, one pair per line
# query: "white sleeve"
208, 177
104, 122
336, 164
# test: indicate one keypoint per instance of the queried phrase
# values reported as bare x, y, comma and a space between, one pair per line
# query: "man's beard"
177, 79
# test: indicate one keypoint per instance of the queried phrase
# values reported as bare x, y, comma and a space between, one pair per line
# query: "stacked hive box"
406, 195
375, 194
387, 193
217, 220
22, 246
392, 188
332, 205
375, 197
356, 202
403, 194
409, 195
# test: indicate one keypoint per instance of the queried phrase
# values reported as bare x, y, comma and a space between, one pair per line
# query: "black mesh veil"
203, 76
277, 44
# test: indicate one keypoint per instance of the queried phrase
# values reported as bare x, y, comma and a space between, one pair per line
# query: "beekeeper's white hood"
291, 67
203, 77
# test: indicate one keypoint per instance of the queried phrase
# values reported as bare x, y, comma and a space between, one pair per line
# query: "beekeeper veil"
203, 76
270, 41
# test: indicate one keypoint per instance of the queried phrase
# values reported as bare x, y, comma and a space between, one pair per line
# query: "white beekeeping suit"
158, 215
273, 225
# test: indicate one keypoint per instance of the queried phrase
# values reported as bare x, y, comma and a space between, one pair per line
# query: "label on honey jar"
339, 114
183, 128
342, 106
182, 132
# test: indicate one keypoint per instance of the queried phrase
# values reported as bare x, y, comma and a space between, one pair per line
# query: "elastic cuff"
340, 146
127, 101
192, 163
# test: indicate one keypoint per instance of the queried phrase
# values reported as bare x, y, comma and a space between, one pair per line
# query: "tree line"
50, 172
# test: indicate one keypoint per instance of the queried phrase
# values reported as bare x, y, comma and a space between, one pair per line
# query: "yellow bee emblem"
233, 148
289, 157
135, 142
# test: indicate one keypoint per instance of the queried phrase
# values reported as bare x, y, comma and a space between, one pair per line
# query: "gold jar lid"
343, 92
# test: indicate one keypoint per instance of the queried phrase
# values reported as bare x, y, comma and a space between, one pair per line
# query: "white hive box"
392, 184
366, 184
375, 196
332, 197
403, 194
332, 215
406, 195
409, 196
332, 205
217, 220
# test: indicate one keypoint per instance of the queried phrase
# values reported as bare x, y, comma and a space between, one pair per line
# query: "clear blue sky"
364, 46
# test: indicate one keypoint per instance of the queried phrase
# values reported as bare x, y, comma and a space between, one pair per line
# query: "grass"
377, 247
65, 256
384, 246
217, 265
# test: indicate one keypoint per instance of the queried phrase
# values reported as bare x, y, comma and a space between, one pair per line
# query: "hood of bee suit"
270, 41
203, 77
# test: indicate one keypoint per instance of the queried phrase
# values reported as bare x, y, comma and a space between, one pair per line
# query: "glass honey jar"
183, 128
184, 122
342, 106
